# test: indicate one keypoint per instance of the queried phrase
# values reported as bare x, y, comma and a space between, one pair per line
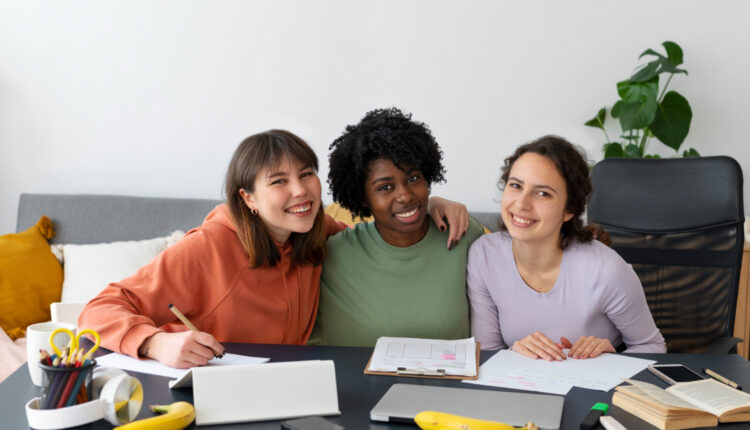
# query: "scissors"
74, 341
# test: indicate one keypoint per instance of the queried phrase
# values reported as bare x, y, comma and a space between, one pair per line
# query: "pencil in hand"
187, 322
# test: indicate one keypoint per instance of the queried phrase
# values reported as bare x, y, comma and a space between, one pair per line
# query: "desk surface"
358, 392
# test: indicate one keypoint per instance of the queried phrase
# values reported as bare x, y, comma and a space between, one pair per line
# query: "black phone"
311, 423
674, 373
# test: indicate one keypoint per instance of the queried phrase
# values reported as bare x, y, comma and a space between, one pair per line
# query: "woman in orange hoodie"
249, 273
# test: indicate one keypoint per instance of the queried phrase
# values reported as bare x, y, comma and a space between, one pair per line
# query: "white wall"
150, 98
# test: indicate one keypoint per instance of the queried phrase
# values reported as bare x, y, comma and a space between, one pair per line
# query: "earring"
254, 211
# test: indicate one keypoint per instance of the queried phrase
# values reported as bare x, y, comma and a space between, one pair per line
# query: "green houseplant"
645, 112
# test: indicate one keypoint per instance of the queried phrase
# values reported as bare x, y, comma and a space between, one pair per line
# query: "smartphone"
674, 373
311, 423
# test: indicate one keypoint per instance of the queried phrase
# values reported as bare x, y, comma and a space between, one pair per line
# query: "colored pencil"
61, 378
52, 385
69, 396
71, 381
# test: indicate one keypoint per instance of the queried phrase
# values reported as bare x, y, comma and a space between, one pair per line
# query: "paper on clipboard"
414, 355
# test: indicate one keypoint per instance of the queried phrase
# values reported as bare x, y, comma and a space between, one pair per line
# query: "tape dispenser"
115, 396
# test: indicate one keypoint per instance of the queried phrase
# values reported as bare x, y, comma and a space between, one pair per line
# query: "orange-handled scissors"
74, 341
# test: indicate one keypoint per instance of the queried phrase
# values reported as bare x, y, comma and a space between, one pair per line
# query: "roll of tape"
122, 398
100, 377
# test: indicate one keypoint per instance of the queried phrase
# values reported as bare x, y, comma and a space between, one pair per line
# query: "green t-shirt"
369, 288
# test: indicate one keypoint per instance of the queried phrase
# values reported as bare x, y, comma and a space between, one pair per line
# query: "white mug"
37, 337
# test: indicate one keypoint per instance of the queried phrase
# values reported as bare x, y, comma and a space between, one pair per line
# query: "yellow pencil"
187, 322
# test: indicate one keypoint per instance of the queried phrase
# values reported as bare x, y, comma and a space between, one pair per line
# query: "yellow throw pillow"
30, 278
343, 215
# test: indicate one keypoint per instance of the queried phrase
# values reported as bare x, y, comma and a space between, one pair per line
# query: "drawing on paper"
421, 354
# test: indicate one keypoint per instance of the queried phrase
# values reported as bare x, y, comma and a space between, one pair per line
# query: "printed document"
153, 367
509, 369
455, 357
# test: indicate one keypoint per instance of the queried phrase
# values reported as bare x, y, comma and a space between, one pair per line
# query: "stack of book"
685, 405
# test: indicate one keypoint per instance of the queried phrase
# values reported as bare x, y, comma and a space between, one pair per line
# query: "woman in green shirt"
393, 276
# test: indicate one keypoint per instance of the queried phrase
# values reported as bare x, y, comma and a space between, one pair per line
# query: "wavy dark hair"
382, 134
572, 166
255, 153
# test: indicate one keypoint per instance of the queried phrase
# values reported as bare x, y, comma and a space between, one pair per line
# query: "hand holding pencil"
190, 325
182, 349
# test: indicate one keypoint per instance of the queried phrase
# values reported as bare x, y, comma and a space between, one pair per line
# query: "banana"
431, 420
178, 416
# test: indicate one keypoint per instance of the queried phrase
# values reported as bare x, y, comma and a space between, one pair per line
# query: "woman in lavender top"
543, 280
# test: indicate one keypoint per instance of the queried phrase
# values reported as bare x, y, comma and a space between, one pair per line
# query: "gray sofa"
87, 218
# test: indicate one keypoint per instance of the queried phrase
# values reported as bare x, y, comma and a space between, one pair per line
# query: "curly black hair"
381, 134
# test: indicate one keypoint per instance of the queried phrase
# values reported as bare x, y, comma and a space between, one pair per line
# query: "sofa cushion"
30, 278
343, 215
89, 268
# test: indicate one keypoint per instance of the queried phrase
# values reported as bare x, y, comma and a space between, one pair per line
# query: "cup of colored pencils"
65, 379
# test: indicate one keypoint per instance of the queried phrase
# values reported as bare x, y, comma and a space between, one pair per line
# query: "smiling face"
398, 202
287, 198
534, 200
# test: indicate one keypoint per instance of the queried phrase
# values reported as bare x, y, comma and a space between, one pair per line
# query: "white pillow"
87, 269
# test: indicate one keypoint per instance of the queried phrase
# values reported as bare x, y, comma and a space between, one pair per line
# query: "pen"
187, 322
721, 379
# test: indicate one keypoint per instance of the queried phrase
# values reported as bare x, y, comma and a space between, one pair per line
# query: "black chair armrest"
723, 345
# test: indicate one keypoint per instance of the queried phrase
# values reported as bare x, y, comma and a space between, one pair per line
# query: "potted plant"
645, 112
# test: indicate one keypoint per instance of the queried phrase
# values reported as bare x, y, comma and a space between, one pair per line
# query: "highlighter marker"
591, 421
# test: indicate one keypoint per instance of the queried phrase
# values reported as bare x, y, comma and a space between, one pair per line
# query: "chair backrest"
679, 222
66, 312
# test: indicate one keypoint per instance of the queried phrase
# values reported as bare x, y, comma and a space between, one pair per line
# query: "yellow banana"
178, 416
431, 420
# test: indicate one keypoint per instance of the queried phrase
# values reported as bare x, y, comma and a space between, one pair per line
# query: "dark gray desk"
358, 392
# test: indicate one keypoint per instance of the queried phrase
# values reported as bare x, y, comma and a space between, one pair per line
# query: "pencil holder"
65, 386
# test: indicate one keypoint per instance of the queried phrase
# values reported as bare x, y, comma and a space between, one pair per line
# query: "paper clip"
420, 371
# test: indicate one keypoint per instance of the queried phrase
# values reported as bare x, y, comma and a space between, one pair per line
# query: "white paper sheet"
510, 369
153, 367
456, 357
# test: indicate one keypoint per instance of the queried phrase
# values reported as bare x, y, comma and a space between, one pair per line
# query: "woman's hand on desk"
590, 347
181, 350
537, 345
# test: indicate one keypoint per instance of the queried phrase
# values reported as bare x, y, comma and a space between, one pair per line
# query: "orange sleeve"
128, 312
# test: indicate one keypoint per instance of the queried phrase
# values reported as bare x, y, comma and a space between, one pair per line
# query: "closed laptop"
403, 402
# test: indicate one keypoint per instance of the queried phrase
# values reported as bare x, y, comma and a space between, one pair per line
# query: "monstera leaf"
672, 122
644, 112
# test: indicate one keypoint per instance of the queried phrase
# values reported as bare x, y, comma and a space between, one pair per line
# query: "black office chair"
679, 222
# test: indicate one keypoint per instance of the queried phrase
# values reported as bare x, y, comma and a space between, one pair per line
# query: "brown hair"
258, 152
572, 166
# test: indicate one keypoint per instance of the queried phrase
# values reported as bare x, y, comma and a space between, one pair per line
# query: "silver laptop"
403, 402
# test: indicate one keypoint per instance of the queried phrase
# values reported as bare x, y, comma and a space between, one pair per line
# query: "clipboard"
416, 373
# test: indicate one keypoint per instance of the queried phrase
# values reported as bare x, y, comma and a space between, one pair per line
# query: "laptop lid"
403, 402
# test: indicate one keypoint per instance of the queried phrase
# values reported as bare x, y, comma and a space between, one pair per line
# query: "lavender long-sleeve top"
596, 294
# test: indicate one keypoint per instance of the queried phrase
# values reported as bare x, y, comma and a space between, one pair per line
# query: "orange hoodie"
207, 276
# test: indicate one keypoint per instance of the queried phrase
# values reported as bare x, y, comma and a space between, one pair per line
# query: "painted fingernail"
442, 228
